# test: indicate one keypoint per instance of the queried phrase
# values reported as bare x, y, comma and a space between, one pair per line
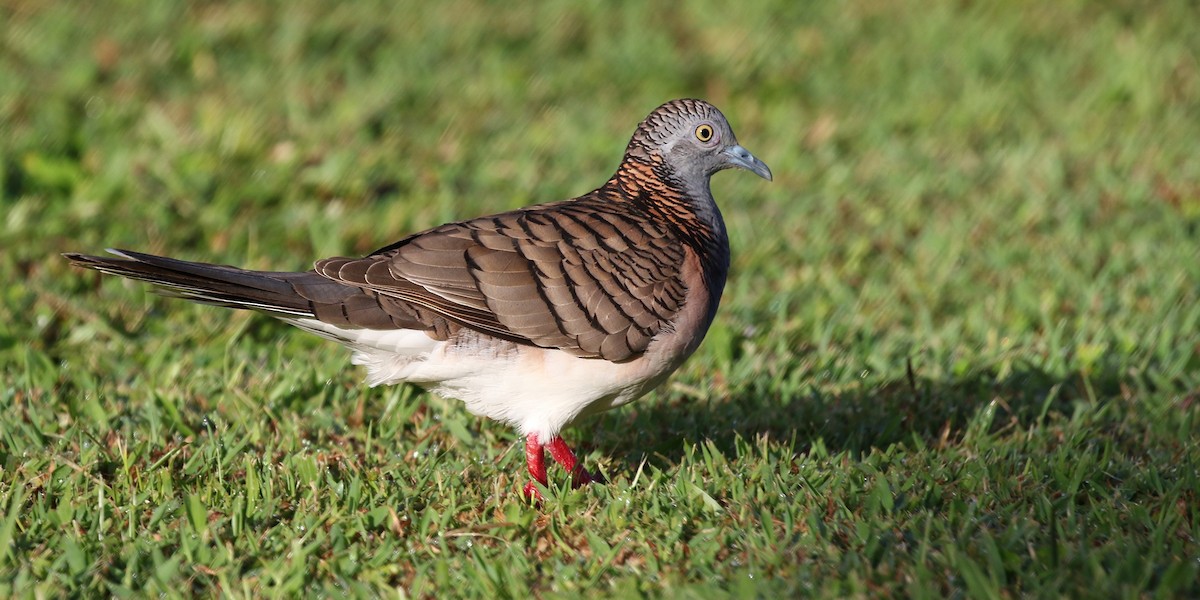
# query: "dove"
537, 317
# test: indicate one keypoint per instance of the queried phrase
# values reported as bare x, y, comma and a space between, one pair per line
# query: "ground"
959, 353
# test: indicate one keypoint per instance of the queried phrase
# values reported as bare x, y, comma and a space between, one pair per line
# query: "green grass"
959, 354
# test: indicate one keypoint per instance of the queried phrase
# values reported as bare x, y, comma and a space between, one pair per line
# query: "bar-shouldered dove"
535, 317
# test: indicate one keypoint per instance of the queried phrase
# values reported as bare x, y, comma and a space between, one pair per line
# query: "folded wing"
591, 280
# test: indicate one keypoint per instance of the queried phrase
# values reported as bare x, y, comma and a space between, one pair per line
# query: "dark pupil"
705, 133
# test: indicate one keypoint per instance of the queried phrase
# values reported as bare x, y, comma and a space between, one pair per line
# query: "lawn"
958, 355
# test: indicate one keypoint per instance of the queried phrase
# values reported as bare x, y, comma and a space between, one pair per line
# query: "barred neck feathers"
683, 205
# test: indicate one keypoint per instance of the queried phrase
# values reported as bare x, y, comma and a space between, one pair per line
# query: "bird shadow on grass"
854, 420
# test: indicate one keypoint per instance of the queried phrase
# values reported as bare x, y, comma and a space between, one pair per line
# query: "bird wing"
594, 281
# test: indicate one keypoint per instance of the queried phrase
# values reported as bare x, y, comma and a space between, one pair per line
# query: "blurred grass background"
958, 353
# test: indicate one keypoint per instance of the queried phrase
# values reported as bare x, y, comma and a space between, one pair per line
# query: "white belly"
535, 390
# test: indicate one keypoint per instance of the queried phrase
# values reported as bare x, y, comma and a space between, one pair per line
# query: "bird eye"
704, 133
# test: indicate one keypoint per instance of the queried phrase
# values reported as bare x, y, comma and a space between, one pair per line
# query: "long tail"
283, 294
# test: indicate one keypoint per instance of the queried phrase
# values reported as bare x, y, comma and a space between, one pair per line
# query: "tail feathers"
280, 293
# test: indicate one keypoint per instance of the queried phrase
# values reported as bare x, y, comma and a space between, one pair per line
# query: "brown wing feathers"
585, 276
565, 276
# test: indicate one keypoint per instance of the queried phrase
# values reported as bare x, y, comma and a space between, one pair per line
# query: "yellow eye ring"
704, 133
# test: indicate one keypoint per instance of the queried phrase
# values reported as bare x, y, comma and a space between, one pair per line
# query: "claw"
532, 494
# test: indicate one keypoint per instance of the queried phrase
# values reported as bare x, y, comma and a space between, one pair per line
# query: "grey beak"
741, 157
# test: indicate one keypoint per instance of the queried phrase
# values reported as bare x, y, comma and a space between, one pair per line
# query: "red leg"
563, 455
535, 459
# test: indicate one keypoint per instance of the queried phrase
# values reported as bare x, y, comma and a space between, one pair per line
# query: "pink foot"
563, 456
535, 459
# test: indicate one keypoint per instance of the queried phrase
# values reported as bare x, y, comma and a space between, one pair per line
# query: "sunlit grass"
958, 353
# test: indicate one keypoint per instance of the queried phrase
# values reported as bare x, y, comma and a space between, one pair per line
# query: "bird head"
692, 138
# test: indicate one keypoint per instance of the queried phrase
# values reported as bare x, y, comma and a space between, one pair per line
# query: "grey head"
693, 140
